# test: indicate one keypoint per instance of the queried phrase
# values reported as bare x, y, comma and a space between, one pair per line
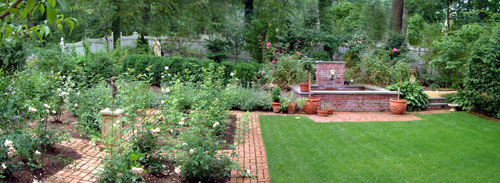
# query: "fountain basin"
352, 98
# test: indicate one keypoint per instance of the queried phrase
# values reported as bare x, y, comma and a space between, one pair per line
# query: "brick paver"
83, 169
251, 154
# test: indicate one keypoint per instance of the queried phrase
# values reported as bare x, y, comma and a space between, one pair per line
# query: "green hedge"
186, 68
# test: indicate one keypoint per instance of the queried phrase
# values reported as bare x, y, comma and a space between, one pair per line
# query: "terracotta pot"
397, 106
323, 113
312, 105
330, 111
292, 108
276, 106
304, 86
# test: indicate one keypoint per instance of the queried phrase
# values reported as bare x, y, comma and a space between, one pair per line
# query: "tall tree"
397, 15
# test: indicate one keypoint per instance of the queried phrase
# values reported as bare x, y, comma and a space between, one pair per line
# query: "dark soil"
230, 131
66, 124
168, 176
53, 160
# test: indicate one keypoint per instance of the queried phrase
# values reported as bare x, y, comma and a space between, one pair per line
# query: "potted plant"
275, 96
324, 109
307, 65
311, 103
398, 106
292, 104
301, 103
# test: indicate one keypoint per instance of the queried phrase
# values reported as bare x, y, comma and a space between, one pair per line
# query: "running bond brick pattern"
252, 154
322, 70
83, 170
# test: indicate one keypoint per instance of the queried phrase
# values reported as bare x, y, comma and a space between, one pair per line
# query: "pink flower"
298, 53
395, 50
263, 72
273, 61
268, 44
290, 57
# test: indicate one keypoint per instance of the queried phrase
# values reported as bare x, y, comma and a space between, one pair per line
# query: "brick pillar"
322, 69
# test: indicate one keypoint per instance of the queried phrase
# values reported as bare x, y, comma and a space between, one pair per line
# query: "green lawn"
450, 147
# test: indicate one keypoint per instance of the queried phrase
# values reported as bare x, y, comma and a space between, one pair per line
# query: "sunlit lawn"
451, 147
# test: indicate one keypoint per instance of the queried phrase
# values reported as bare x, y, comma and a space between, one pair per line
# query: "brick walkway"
82, 170
251, 155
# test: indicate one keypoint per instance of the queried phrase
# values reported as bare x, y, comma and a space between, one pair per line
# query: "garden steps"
437, 103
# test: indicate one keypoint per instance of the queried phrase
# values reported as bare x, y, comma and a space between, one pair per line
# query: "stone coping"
330, 62
437, 98
374, 91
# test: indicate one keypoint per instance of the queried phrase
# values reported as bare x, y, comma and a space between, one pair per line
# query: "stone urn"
453, 107
397, 106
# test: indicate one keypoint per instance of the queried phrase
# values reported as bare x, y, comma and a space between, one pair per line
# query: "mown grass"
450, 147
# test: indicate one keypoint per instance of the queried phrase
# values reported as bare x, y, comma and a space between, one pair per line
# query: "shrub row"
186, 68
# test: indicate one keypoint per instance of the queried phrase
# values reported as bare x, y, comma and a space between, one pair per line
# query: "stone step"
436, 98
437, 104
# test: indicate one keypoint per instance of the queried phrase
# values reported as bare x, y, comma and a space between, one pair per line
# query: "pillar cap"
108, 112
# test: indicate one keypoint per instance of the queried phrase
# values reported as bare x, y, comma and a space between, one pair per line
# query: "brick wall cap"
330, 62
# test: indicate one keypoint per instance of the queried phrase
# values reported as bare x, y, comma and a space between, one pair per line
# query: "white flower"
191, 151
181, 123
177, 170
120, 175
76, 104
162, 76
137, 170
237, 79
10, 154
64, 76
155, 131
46, 106
3, 166
162, 102
169, 74
53, 111
232, 74
47, 111
37, 152
62, 94
184, 144
166, 67
8, 143
31, 109
216, 124
248, 171
59, 89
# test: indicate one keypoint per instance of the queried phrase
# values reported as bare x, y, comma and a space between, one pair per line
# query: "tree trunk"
405, 24
397, 15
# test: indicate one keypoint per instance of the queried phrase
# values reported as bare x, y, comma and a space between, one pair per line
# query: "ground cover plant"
450, 147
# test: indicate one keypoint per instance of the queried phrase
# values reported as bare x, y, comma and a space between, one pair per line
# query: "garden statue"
112, 83
157, 47
62, 44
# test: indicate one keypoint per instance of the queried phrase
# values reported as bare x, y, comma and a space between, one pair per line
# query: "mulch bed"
67, 125
53, 160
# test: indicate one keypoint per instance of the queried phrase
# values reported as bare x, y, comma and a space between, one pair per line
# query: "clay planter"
330, 111
276, 106
397, 106
304, 86
323, 113
312, 105
292, 108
